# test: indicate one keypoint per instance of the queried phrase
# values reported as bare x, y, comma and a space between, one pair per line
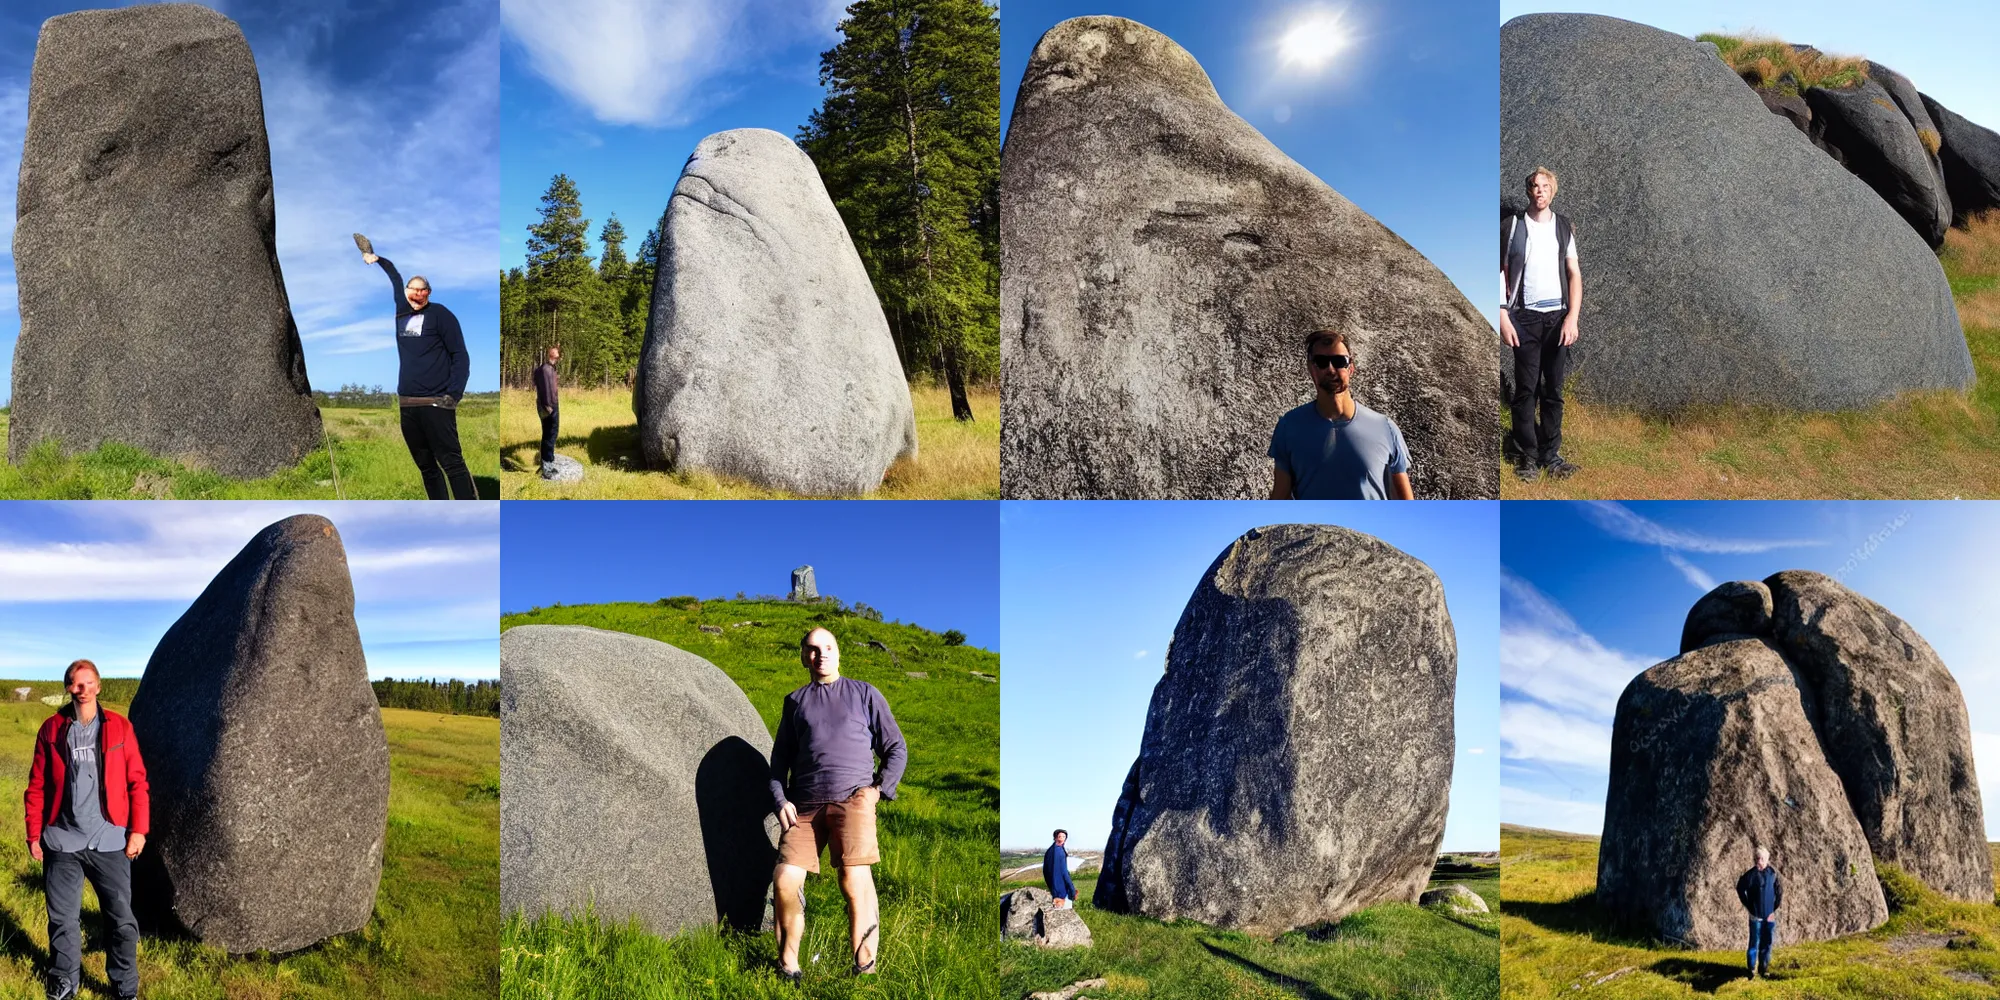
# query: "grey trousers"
110, 872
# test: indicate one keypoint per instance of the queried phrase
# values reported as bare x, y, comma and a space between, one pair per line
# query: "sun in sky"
1313, 38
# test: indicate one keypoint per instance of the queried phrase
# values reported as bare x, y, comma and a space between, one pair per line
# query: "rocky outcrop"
265, 752
1724, 259
1800, 717
767, 356
153, 311
1161, 265
1455, 898
1032, 915
676, 780
1873, 137
1970, 157
1297, 753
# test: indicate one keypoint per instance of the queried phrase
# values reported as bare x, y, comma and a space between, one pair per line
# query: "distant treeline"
454, 697
372, 396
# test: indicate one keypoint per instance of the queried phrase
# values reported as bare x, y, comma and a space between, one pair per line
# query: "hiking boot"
362, 242
59, 989
1561, 468
1764, 971
1527, 472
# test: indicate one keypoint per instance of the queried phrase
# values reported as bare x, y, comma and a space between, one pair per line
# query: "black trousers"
432, 434
549, 422
110, 873
1540, 364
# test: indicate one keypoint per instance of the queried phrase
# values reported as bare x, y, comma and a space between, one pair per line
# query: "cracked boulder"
767, 356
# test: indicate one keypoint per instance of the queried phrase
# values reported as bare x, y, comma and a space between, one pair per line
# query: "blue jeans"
1761, 933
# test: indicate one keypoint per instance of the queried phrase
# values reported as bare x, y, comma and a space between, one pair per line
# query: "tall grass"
955, 460
1554, 943
435, 932
1771, 62
369, 456
1932, 445
939, 837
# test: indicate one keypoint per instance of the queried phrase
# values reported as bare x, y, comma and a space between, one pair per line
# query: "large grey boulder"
265, 752
1971, 160
1161, 265
153, 311
634, 778
1297, 754
1724, 258
767, 355
1879, 143
1031, 915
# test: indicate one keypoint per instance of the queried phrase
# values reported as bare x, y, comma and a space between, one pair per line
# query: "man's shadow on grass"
1272, 976
1700, 975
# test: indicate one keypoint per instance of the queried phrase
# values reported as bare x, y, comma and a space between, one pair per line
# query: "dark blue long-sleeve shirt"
1760, 891
829, 736
1055, 872
430, 347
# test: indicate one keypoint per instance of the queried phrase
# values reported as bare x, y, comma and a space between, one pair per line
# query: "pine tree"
611, 266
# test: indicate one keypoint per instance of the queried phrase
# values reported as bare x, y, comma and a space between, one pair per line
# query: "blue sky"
383, 120
925, 562
1594, 593
616, 93
1403, 123
1939, 44
104, 580
1090, 592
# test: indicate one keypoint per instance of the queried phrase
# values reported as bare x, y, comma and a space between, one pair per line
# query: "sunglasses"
1330, 360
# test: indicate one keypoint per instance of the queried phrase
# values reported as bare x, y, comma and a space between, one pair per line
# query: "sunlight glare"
1313, 40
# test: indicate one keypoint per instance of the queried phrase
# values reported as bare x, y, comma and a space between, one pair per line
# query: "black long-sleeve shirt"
430, 348
545, 387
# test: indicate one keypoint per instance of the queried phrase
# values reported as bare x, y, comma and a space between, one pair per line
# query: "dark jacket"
1514, 255
1761, 891
1055, 872
125, 802
433, 362
545, 387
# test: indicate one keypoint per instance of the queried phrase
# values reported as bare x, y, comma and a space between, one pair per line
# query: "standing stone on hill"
802, 585
654, 811
1161, 264
1297, 754
153, 311
1894, 727
1712, 755
1971, 161
1724, 258
767, 356
1031, 914
265, 751
1874, 138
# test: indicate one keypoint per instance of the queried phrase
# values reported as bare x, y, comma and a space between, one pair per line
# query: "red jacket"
122, 773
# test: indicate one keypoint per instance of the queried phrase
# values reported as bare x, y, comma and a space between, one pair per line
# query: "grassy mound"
1390, 950
436, 927
955, 461
1920, 445
1554, 943
1775, 64
936, 881
368, 450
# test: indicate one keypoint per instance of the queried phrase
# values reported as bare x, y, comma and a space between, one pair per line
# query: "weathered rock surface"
676, 779
803, 588
767, 355
1297, 754
265, 752
1161, 264
1874, 139
145, 249
1456, 897
1803, 717
1724, 258
563, 470
1970, 157
1031, 914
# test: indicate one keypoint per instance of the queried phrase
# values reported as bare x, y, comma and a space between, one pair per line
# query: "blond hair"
1554, 184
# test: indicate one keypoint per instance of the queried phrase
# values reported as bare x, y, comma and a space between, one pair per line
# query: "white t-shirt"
414, 326
1541, 273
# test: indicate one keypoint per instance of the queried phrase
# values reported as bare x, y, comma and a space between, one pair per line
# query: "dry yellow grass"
955, 461
1934, 445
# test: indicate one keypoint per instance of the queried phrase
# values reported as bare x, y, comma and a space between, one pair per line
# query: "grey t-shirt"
81, 825
1338, 459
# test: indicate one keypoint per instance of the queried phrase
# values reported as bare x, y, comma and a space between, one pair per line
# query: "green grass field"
436, 929
955, 461
939, 837
1555, 944
1389, 950
368, 450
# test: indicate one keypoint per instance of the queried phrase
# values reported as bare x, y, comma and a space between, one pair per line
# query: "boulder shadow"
732, 794
487, 487
616, 445
1271, 976
1701, 976
1576, 915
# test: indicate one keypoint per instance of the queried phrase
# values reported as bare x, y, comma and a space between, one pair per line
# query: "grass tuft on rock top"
436, 928
373, 464
1919, 445
1389, 950
956, 460
1555, 943
940, 918
1774, 63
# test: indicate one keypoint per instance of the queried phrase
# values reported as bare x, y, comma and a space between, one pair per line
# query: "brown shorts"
845, 828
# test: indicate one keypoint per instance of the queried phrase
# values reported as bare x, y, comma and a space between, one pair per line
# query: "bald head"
821, 654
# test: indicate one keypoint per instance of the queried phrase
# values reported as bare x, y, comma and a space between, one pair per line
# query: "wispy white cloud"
1621, 521
1546, 656
1527, 808
1694, 574
657, 62
1532, 732
1140, 655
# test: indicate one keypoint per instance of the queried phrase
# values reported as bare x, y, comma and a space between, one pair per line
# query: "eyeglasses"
419, 288
1330, 360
